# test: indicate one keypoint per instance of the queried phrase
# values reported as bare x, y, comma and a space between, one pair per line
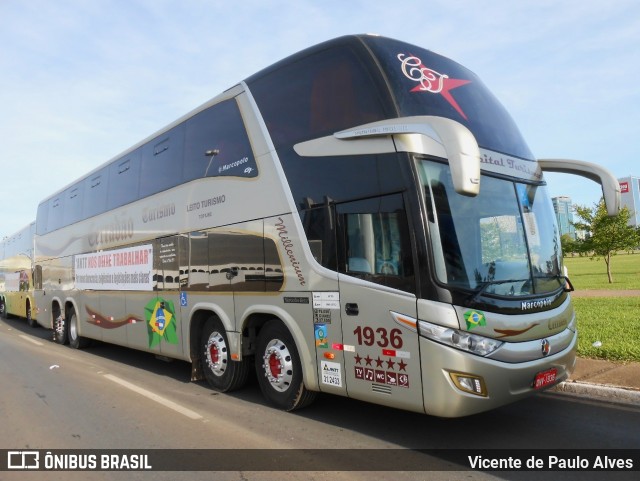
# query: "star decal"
358, 359
390, 364
368, 360
402, 366
430, 80
448, 84
379, 362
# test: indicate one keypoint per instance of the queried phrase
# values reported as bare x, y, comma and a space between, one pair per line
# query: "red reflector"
389, 352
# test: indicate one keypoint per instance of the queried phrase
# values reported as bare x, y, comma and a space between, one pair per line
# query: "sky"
83, 80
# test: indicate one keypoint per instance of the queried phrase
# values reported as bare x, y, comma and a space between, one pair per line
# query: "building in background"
564, 214
630, 197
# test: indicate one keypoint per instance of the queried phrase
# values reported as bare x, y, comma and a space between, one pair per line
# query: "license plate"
545, 378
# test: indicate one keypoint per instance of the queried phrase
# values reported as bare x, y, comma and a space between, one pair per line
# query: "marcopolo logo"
539, 304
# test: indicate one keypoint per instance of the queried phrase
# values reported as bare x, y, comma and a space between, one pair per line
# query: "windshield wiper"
566, 285
487, 284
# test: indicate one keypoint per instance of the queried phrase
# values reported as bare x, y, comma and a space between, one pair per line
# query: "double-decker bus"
362, 218
16, 275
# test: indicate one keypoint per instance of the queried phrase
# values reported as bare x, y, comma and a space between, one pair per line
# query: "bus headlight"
473, 343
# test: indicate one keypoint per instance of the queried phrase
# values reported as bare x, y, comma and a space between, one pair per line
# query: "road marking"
154, 397
33, 341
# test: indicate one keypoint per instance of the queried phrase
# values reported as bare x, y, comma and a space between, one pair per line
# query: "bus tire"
3, 310
75, 341
60, 329
221, 372
279, 369
30, 320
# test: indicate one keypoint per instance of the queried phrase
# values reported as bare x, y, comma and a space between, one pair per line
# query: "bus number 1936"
381, 336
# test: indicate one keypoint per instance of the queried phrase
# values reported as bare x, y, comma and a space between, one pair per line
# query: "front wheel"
279, 369
221, 372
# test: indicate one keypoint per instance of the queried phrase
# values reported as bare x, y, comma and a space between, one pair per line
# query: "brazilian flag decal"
161, 322
474, 319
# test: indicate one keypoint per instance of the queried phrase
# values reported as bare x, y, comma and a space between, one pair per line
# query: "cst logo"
23, 460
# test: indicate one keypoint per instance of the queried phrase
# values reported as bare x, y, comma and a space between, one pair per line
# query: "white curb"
600, 391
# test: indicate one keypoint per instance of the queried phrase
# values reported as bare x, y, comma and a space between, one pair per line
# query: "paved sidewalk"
604, 380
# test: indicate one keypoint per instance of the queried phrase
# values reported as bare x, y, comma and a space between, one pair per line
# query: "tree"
569, 245
606, 235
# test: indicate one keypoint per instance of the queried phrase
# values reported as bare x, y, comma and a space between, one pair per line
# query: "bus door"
378, 304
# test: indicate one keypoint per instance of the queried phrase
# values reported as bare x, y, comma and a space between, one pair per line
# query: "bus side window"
95, 194
161, 162
319, 226
124, 175
37, 277
374, 243
218, 129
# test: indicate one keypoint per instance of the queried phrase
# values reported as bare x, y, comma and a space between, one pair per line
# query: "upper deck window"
425, 83
219, 128
320, 94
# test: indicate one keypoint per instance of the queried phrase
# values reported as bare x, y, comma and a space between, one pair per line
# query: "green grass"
614, 321
585, 273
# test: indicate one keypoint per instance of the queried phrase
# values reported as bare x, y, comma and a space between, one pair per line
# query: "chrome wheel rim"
217, 353
278, 365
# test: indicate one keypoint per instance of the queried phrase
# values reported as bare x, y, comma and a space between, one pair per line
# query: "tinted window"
425, 83
374, 242
73, 204
218, 129
162, 162
124, 175
42, 218
54, 219
319, 226
95, 188
341, 178
318, 95
225, 261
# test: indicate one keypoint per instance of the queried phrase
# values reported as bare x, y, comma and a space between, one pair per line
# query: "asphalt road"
107, 397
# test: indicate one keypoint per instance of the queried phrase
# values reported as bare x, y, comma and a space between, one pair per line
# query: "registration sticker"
545, 378
331, 373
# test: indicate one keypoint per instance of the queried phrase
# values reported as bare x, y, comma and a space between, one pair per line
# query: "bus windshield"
504, 242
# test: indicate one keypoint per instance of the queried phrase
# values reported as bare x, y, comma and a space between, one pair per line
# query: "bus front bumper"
498, 383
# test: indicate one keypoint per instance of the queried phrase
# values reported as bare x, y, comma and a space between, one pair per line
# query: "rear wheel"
279, 369
60, 328
75, 341
221, 372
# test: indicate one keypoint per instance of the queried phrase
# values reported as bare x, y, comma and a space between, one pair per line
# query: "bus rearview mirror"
597, 173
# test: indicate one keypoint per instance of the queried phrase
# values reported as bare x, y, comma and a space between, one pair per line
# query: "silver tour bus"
362, 218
